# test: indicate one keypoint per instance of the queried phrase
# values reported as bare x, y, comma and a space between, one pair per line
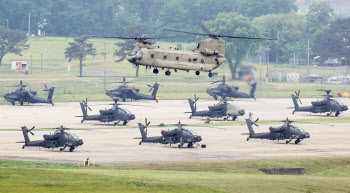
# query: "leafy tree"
318, 16
253, 8
78, 50
125, 47
290, 31
334, 41
237, 25
12, 41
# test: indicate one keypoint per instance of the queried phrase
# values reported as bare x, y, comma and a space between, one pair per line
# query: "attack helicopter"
224, 90
22, 95
326, 105
59, 138
108, 115
209, 54
125, 92
178, 135
286, 132
221, 109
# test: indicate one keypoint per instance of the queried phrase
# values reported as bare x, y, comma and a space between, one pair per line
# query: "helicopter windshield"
337, 102
214, 87
298, 129
139, 53
187, 132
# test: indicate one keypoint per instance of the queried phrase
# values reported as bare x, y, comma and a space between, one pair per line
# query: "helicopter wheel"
215, 97
125, 122
297, 141
13, 103
61, 149
179, 146
210, 74
168, 73
124, 99
155, 71
140, 143
71, 148
337, 113
247, 138
21, 103
115, 123
287, 142
189, 145
23, 146
197, 73
234, 117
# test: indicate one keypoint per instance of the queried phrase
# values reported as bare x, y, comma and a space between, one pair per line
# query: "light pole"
268, 60
31, 65
259, 51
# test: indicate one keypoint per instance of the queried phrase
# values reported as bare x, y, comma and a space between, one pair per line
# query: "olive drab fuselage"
207, 56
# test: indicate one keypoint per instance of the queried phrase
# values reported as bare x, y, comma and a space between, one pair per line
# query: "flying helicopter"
125, 92
22, 95
286, 132
224, 90
178, 135
209, 54
108, 115
59, 138
221, 109
326, 105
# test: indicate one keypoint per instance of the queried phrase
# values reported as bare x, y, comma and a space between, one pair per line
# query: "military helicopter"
22, 95
286, 132
125, 92
327, 104
107, 115
59, 138
221, 109
224, 90
209, 54
178, 135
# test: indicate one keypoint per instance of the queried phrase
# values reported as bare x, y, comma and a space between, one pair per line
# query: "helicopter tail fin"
25, 134
193, 108
142, 130
155, 89
252, 89
296, 105
51, 90
250, 127
83, 109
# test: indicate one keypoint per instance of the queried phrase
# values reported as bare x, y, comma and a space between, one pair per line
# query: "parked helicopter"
59, 138
221, 109
326, 105
125, 92
178, 135
225, 90
209, 54
107, 115
286, 132
22, 95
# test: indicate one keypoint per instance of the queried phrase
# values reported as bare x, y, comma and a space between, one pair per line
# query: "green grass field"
321, 175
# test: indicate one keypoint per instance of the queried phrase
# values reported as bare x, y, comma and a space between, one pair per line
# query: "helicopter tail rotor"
297, 96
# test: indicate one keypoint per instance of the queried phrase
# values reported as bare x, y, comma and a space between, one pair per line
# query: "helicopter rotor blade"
31, 133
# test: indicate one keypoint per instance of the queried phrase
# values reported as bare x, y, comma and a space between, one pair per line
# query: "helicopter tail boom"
142, 131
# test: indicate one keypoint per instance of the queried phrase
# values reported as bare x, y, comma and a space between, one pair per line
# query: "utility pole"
268, 60
31, 65
278, 47
104, 74
308, 56
42, 70
259, 51
29, 26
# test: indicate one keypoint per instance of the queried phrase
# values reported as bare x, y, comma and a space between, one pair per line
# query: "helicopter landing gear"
287, 142
116, 123
210, 74
297, 141
23, 146
337, 113
21, 103
215, 97
247, 138
197, 73
82, 121
13, 103
155, 71
293, 113
190, 116
62, 149
125, 122
140, 143
71, 148
189, 145
234, 117
124, 99
168, 73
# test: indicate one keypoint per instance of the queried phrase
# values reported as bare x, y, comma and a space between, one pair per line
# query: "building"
21, 65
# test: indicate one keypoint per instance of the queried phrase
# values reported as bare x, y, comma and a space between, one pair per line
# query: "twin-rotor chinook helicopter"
206, 57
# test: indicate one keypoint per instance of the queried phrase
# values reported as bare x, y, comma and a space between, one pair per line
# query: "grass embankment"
321, 175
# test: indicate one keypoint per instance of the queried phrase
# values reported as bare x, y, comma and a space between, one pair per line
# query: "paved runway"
166, 111
119, 146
